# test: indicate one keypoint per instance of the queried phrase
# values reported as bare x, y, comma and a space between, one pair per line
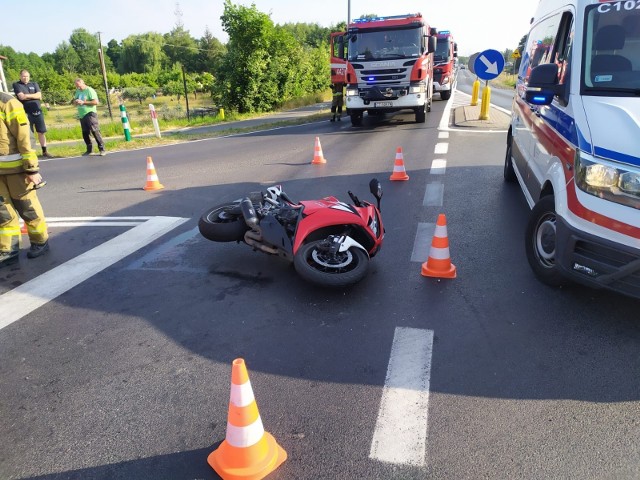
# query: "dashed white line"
441, 148
438, 166
433, 195
400, 435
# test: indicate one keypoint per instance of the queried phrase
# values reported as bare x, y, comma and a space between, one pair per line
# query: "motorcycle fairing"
318, 214
275, 234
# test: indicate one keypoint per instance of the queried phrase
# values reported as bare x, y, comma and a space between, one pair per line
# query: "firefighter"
336, 102
19, 179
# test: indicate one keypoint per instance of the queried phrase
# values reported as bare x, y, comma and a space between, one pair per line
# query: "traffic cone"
439, 263
152, 178
23, 227
399, 173
318, 157
247, 452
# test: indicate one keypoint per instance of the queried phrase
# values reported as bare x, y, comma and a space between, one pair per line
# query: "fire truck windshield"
443, 51
385, 44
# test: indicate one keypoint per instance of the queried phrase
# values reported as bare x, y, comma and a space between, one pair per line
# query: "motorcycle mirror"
376, 188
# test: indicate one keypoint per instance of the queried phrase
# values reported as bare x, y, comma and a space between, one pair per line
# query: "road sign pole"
486, 101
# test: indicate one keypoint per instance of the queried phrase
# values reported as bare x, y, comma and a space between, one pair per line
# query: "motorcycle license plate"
383, 104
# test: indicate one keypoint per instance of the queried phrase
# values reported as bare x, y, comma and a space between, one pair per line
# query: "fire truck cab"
445, 60
387, 64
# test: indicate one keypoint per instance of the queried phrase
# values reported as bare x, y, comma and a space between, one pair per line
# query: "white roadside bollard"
154, 119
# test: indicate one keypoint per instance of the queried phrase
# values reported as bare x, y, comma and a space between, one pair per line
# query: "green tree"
137, 93
180, 47
66, 58
113, 51
86, 45
142, 53
210, 53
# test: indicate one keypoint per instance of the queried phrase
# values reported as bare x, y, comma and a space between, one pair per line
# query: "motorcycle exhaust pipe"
254, 239
249, 214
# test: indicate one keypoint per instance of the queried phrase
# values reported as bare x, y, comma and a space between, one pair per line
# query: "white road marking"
441, 148
400, 434
438, 166
433, 195
33, 294
443, 134
422, 242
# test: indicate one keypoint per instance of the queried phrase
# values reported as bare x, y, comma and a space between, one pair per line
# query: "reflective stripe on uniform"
11, 161
10, 231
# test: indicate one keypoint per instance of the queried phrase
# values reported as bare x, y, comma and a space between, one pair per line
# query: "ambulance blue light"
444, 32
539, 99
371, 79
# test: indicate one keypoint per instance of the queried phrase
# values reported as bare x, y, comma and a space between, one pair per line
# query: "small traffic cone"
318, 157
399, 173
439, 263
152, 177
247, 452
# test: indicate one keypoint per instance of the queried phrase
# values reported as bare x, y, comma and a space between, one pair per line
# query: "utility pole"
186, 95
348, 12
104, 75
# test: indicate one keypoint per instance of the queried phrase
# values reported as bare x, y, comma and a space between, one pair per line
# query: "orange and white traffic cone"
152, 177
439, 263
318, 157
247, 452
399, 173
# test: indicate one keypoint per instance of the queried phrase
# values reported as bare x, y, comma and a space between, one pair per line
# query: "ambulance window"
540, 44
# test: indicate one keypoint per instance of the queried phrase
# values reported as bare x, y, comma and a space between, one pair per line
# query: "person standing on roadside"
19, 181
29, 94
86, 99
337, 102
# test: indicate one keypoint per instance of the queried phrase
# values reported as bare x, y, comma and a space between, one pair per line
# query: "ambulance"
573, 143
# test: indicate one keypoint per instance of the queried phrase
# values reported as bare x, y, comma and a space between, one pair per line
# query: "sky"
476, 26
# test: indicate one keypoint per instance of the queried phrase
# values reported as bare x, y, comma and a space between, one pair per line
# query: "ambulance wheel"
509, 173
541, 242
445, 94
356, 119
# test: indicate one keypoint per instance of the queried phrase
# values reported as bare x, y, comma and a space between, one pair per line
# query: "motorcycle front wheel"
317, 265
223, 223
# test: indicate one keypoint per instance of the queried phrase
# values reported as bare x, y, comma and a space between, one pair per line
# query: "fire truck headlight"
416, 89
614, 182
351, 92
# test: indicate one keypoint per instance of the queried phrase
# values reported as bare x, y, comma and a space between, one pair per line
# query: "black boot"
8, 258
38, 249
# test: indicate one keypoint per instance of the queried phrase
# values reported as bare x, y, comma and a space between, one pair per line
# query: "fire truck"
3, 81
386, 64
444, 70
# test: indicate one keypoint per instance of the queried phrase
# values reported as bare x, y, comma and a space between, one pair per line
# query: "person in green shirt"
86, 99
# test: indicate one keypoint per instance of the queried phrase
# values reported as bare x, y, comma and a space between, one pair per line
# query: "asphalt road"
116, 348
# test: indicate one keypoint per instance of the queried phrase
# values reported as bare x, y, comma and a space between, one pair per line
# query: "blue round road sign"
488, 64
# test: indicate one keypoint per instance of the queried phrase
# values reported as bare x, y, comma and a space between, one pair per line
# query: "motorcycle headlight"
608, 180
374, 225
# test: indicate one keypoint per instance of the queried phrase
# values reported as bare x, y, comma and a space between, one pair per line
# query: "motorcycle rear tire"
223, 223
323, 274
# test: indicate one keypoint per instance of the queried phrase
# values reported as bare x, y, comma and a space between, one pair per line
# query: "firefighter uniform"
337, 102
18, 196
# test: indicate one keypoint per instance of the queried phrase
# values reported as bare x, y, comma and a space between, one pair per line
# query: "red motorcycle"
330, 242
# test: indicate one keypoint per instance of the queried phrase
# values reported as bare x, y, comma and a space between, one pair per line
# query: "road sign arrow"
492, 68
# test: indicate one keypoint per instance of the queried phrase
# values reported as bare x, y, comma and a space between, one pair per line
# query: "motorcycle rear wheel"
223, 223
316, 266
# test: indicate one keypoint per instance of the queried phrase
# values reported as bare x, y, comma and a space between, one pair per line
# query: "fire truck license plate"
383, 104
